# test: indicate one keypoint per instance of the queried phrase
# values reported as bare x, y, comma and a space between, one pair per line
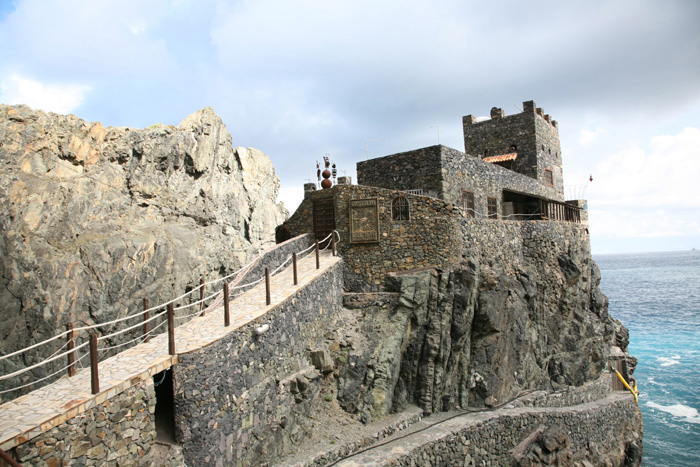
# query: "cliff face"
95, 219
508, 319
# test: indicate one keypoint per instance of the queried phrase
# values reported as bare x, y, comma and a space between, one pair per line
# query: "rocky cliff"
506, 320
95, 218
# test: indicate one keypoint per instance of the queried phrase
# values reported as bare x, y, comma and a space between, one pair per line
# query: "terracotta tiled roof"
502, 158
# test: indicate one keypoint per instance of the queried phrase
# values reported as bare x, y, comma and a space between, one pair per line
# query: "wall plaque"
364, 220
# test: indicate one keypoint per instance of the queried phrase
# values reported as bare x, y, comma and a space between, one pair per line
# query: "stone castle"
463, 283
422, 203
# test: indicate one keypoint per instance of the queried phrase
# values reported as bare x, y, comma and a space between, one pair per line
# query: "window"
492, 207
548, 177
399, 209
468, 203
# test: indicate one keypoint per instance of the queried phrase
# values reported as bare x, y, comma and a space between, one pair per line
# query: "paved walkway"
25, 417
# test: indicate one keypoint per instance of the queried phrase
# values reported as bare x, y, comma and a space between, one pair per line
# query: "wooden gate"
324, 219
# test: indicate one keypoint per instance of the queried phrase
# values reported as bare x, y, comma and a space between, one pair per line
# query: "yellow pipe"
633, 391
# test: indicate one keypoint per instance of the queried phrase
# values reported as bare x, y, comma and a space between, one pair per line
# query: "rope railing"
125, 318
43, 362
216, 299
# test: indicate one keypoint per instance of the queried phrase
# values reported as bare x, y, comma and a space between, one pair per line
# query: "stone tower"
532, 135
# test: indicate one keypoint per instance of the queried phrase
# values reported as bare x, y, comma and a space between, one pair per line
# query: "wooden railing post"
171, 329
71, 349
94, 376
333, 244
267, 287
146, 323
10, 461
201, 295
227, 316
318, 258
294, 263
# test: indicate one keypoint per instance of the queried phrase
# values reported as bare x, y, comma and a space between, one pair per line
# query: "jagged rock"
478, 335
98, 218
321, 359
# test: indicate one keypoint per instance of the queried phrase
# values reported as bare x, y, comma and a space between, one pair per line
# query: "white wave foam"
689, 414
666, 361
652, 380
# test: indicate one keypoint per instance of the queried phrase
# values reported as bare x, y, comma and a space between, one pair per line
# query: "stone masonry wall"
430, 238
243, 400
534, 134
446, 173
467, 173
272, 258
413, 170
119, 431
601, 432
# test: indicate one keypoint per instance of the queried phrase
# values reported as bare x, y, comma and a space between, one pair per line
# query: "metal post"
201, 295
71, 347
94, 376
227, 317
333, 244
267, 286
146, 323
294, 263
171, 329
318, 259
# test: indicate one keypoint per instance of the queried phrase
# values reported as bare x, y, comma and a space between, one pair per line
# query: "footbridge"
164, 334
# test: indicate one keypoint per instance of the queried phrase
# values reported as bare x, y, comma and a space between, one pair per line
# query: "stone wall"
429, 238
420, 169
119, 431
272, 258
534, 134
605, 432
446, 173
467, 173
243, 399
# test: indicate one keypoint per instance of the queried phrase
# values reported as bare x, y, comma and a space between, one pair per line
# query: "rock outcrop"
480, 334
95, 219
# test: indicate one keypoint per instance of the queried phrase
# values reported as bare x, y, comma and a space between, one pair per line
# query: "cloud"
59, 98
66, 39
638, 193
589, 137
665, 175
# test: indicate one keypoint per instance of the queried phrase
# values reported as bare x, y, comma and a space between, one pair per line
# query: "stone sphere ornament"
326, 183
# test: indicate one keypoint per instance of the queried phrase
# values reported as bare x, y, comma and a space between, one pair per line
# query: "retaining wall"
596, 432
119, 431
243, 399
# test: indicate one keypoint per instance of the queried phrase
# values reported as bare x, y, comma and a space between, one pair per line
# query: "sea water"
657, 297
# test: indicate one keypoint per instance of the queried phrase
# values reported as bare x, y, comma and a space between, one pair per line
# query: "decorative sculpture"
326, 183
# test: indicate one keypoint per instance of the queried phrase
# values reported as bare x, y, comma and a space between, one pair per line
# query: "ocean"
657, 297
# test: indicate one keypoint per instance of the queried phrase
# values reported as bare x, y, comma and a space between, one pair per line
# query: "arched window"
399, 209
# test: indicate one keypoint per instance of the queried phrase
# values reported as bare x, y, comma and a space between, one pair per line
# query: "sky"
299, 80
